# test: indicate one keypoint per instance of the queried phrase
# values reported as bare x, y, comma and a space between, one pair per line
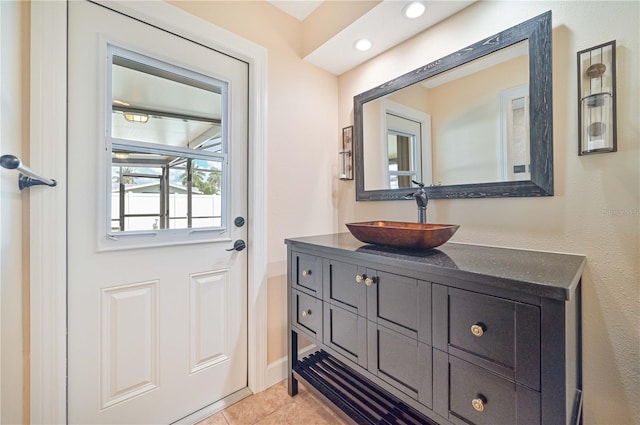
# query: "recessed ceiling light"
363, 44
136, 118
414, 9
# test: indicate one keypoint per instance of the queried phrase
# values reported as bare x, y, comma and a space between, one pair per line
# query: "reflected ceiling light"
136, 118
414, 9
363, 44
121, 155
121, 103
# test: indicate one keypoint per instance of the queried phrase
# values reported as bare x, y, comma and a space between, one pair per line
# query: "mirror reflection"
464, 126
476, 123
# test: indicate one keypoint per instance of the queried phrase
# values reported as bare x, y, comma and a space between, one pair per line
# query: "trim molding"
48, 207
48, 221
277, 371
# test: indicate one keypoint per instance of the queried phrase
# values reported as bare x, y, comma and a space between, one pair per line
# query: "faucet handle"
418, 183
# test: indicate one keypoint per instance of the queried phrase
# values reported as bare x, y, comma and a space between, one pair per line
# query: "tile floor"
274, 407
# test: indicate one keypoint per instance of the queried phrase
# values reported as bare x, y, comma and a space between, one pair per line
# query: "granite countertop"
545, 274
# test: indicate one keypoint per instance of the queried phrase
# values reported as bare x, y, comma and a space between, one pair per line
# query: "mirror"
476, 123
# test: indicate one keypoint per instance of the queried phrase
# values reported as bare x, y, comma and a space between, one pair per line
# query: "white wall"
596, 207
13, 268
302, 132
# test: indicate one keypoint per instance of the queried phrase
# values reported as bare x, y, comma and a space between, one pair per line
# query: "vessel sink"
402, 234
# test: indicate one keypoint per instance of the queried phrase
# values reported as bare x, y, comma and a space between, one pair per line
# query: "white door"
157, 172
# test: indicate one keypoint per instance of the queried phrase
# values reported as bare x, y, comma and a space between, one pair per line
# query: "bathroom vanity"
459, 334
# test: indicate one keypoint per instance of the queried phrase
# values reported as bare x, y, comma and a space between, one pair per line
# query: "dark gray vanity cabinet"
461, 334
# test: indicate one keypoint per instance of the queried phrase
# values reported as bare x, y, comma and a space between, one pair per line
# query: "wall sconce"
346, 155
597, 99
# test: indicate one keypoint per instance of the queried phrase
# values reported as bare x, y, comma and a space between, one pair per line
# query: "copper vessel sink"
401, 234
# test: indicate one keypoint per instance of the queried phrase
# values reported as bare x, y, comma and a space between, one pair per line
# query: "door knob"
238, 245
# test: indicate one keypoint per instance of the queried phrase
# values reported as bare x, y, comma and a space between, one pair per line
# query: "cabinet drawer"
400, 361
341, 287
495, 333
306, 273
481, 397
346, 333
307, 313
482, 325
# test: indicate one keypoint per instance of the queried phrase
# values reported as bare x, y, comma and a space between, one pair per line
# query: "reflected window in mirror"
401, 157
403, 139
514, 134
166, 136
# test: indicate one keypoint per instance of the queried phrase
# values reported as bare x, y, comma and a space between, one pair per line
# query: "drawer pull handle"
306, 272
369, 281
478, 404
360, 278
478, 329
306, 313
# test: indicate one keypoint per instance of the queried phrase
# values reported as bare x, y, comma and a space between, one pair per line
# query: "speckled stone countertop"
543, 274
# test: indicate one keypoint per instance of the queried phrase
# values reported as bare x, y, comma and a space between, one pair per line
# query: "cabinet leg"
292, 361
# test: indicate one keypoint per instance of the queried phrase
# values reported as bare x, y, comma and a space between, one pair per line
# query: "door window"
167, 139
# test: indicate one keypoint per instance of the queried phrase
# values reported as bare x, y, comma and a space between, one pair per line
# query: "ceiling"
385, 25
299, 9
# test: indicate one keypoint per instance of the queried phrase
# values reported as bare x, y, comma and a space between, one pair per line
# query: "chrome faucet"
421, 199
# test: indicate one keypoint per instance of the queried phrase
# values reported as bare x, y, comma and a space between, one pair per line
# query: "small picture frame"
346, 154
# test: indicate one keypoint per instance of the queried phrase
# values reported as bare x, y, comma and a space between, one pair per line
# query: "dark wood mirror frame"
538, 32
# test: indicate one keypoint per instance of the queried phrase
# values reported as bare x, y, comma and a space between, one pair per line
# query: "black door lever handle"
238, 245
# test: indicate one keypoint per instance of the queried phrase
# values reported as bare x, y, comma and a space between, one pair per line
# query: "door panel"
157, 323
210, 318
130, 341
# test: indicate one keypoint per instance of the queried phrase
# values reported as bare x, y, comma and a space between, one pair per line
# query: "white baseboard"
277, 371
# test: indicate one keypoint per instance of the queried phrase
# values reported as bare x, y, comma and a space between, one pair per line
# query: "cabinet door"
306, 273
401, 361
400, 303
346, 333
344, 286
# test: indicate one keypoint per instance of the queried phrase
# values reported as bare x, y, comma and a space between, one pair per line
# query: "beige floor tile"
217, 419
258, 406
274, 406
296, 414
310, 402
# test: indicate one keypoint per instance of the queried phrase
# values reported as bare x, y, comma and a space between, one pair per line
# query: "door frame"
48, 211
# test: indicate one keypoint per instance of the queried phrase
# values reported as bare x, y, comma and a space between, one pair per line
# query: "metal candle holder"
597, 99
